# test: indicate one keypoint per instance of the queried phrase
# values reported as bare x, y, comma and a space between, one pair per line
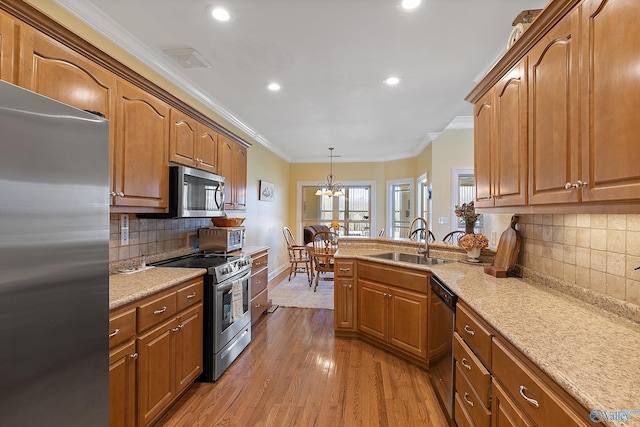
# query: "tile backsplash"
594, 251
153, 236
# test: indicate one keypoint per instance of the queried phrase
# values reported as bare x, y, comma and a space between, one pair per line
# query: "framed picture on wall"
267, 191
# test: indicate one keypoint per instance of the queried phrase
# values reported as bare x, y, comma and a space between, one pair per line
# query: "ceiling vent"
188, 58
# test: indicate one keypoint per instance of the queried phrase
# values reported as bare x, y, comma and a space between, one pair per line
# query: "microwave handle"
219, 198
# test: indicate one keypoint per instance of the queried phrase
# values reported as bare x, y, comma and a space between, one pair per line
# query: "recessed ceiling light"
220, 14
391, 81
410, 4
274, 87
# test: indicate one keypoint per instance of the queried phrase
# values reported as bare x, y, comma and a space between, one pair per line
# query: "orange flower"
473, 241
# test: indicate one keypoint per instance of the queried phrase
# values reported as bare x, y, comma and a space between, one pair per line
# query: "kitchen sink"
411, 258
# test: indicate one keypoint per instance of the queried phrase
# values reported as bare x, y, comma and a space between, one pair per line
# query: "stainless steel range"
227, 314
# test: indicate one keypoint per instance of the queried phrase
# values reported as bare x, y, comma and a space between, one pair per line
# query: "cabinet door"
207, 149
226, 149
141, 150
7, 48
373, 309
344, 305
610, 100
554, 133
240, 161
53, 70
408, 321
510, 153
183, 136
484, 136
189, 347
122, 386
156, 373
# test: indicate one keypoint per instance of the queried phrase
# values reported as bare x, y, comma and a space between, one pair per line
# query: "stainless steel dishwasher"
441, 326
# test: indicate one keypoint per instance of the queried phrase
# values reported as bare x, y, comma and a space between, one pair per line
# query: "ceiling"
330, 57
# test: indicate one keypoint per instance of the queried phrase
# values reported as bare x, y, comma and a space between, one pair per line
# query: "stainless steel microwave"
193, 194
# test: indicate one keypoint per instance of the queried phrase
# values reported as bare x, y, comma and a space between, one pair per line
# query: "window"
352, 211
401, 212
464, 191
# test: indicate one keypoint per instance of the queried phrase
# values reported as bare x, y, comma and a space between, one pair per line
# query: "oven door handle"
227, 284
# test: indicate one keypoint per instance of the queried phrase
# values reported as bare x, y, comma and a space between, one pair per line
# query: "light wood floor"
296, 373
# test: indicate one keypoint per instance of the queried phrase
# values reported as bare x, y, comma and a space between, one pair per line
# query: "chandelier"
330, 188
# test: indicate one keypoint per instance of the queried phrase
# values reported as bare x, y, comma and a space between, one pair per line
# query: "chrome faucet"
424, 251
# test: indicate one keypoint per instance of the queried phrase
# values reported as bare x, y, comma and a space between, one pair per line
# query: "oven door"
232, 309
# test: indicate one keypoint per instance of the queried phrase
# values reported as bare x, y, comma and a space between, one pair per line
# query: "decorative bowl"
223, 221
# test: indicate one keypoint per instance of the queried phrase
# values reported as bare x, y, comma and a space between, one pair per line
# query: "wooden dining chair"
299, 261
419, 233
453, 237
325, 245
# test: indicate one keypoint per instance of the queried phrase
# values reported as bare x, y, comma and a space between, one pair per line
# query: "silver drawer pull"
134, 356
162, 310
531, 401
466, 399
114, 333
190, 296
469, 330
465, 363
344, 269
257, 305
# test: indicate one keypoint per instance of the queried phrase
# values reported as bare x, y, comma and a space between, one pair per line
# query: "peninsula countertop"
592, 353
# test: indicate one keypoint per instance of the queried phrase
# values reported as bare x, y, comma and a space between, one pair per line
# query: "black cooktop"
196, 261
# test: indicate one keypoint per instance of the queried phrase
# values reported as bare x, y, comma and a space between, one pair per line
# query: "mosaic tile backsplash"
153, 236
595, 251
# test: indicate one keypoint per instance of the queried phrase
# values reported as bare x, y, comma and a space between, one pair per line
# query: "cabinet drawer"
259, 262
462, 417
258, 305
344, 268
475, 372
259, 282
189, 295
529, 391
471, 331
122, 327
156, 311
469, 399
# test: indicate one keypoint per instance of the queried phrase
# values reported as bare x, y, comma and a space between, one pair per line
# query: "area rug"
297, 293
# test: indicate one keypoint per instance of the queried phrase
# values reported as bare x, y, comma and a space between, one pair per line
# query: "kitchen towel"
236, 300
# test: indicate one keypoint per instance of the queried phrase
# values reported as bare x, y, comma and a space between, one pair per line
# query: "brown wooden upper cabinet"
501, 142
141, 173
192, 144
568, 122
610, 100
7, 47
554, 138
232, 164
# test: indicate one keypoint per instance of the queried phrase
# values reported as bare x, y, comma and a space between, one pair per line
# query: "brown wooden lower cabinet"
122, 386
151, 369
259, 282
392, 308
504, 410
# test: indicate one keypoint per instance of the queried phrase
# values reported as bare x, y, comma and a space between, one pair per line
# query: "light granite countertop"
126, 288
593, 354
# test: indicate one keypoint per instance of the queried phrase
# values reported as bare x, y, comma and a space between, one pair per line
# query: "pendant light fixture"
330, 188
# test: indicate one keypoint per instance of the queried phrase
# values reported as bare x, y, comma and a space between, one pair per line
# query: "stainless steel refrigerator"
54, 263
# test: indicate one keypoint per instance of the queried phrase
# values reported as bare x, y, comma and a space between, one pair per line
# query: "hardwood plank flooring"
296, 373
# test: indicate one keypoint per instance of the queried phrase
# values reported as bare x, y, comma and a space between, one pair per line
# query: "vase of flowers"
468, 214
473, 244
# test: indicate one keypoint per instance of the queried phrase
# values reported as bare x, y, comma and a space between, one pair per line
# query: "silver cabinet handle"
258, 305
578, 184
568, 186
384, 295
465, 363
469, 330
531, 401
112, 194
114, 333
134, 356
162, 310
258, 282
466, 399
344, 269
175, 330
121, 194
191, 296
350, 286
